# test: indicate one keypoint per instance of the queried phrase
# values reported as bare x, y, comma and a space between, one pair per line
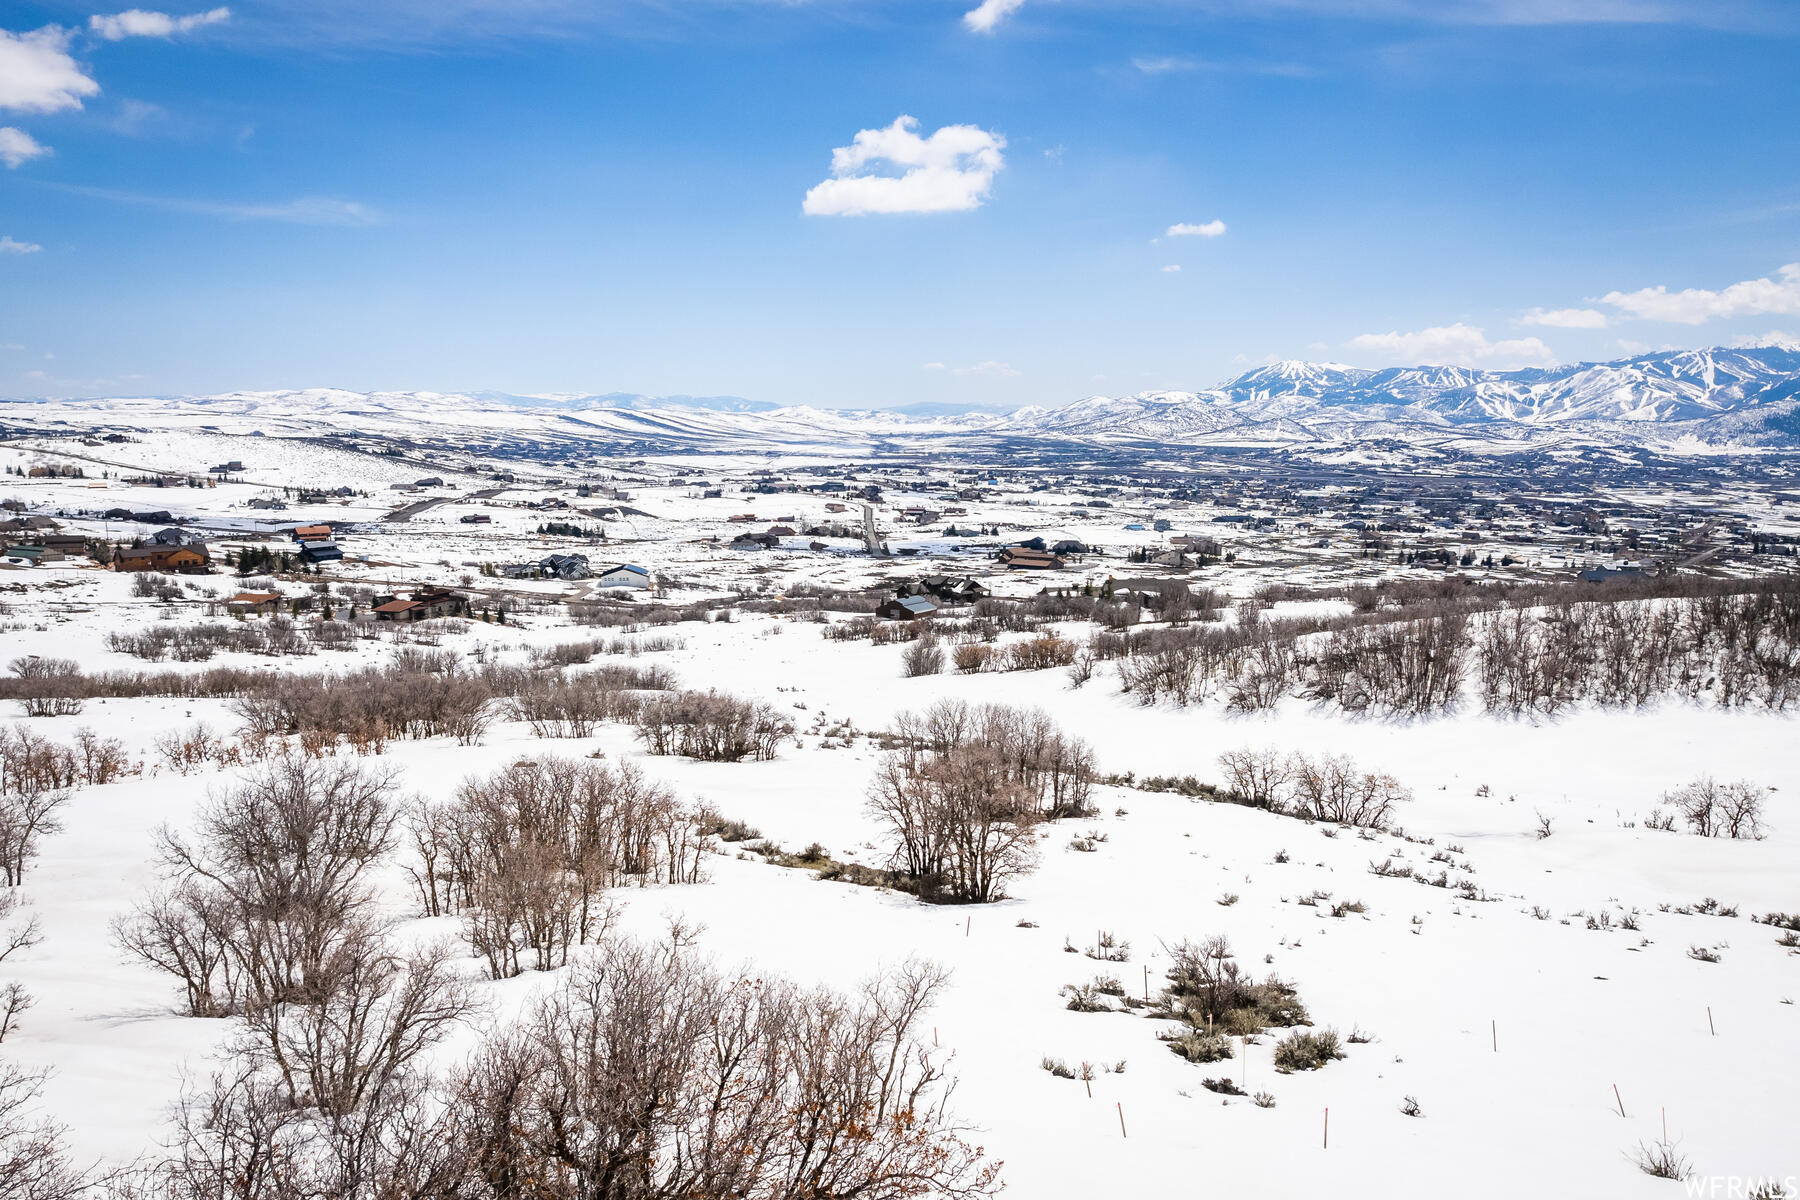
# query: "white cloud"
1164, 64
1565, 318
306, 210
136, 117
950, 171
1775, 337
135, 22
17, 146
1696, 306
987, 15
9, 246
1171, 268
934, 366
1632, 348
1212, 228
989, 370
1456, 345
38, 75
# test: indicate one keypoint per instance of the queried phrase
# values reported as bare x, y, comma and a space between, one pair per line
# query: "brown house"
183, 560
312, 533
255, 602
422, 606
1023, 558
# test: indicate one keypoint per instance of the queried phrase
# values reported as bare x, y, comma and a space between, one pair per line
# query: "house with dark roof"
321, 551
564, 566
173, 536
943, 589
905, 608
421, 606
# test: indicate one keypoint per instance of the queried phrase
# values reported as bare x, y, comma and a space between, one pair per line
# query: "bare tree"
189, 930
1714, 809
26, 817
526, 855
34, 1162
242, 1138
1257, 778
342, 1047
959, 825
1331, 788
288, 851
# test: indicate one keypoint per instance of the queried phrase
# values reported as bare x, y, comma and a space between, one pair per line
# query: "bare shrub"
195, 748
648, 1065
1040, 653
1208, 992
1332, 788
31, 763
1257, 778
527, 854
1661, 1159
1714, 809
101, 760
1307, 1050
51, 687
419, 696
711, 727
924, 657
971, 657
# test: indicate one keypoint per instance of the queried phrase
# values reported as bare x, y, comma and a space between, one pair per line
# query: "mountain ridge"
1739, 395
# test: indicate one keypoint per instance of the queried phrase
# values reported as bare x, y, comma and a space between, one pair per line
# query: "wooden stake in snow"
1087, 1077
1327, 1144
1122, 1132
1244, 1049
1709, 1021
1494, 1031
968, 923
1617, 1097
1146, 983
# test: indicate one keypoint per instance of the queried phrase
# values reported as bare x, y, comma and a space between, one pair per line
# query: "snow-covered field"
1510, 1017
1439, 981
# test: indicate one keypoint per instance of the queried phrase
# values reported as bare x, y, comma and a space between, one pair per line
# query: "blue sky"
540, 196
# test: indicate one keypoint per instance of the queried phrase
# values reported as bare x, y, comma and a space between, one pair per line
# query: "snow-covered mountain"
1682, 388
1718, 395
